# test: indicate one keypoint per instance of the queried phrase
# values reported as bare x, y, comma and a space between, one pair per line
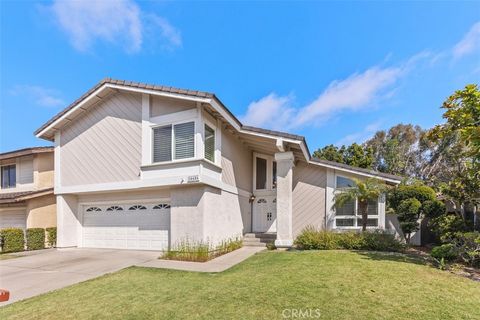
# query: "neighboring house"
26, 189
140, 166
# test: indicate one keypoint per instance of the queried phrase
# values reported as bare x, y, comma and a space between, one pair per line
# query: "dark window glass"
344, 222
344, 183
348, 209
261, 174
9, 177
274, 177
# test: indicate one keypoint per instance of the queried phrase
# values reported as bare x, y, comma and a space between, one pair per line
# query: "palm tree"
364, 191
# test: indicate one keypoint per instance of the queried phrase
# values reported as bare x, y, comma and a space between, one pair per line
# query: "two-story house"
141, 166
26, 188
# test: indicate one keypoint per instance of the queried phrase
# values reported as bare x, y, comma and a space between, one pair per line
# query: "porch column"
285, 164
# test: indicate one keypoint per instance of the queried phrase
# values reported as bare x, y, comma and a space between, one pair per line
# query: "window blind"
184, 140
209, 144
162, 144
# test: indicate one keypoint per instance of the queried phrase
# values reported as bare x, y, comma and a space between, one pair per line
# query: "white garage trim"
146, 228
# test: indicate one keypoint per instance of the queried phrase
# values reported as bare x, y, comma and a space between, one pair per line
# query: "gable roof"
13, 197
24, 152
201, 96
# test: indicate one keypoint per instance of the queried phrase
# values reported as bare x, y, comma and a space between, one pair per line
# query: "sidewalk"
219, 264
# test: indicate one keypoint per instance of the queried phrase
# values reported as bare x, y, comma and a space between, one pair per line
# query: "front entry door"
264, 188
265, 213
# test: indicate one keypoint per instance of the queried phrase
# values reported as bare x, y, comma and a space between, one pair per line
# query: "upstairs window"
209, 143
9, 176
174, 142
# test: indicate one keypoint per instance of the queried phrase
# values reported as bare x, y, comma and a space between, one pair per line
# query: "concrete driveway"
41, 271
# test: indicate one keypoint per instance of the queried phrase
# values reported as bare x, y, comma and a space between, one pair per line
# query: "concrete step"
254, 244
260, 235
257, 240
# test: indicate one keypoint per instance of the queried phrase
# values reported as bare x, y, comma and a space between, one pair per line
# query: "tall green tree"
363, 191
354, 155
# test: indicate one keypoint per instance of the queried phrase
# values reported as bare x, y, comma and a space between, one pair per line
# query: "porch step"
258, 239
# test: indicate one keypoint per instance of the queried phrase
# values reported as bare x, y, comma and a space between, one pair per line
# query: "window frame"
269, 183
214, 128
356, 216
15, 167
172, 142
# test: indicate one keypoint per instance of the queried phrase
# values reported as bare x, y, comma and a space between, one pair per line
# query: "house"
141, 166
26, 189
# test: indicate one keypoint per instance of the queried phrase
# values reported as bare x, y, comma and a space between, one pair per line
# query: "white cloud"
361, 136
272, 111
119, 22
469, 43
358, 91
39, 95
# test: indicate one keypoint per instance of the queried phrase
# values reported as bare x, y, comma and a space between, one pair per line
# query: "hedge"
314, 239
35, 238
51, 236
13, 240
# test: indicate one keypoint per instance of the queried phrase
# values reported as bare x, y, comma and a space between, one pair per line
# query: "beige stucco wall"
104, 144
43, 170
308, 185
42, 212
236, 162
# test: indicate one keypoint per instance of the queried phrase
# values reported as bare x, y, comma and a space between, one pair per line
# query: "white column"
68, 224
285, 164
146, 131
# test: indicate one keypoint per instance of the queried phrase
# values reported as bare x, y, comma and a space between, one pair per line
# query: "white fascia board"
355, 172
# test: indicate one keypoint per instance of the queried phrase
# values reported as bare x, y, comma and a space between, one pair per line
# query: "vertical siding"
236, 162
103, 144
309, 183
25, 170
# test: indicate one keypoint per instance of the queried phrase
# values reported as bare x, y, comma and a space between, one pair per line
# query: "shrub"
417, 191
13, 240
433, 208
446, 226
468, 247
408, 212
51, 236
35, 238
446, 252
312, 239
228, 245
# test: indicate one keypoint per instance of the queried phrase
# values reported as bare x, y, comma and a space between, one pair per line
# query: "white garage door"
13, 218
139, 226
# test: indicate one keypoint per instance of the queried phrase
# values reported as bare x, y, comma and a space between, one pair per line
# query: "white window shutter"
209, 143
184, 140
162, 144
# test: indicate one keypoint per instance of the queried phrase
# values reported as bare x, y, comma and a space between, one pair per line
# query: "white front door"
264, 189
265, 213
139, 226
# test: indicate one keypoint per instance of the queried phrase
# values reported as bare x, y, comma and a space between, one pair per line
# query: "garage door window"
137, 207
93, 209
115, 208
162, 206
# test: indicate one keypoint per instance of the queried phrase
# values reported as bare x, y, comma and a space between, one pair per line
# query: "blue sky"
333, 71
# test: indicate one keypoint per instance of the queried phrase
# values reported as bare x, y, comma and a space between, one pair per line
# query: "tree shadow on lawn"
398, 257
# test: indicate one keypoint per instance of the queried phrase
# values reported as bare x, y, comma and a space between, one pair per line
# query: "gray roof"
24, 152
13, 197
362, 170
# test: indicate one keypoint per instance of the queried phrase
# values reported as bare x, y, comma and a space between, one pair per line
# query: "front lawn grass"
340, 284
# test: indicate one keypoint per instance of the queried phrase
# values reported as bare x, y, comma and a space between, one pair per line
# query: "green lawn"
341, 284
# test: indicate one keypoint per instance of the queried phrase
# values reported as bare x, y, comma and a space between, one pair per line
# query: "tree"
354, 155
363, 191
458, 142
408, 212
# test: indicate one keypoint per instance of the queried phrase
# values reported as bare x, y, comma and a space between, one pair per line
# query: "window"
209, 143
94, 209
161, 206
274, 175
9, 176
174, 142
115, 208
348, 215
344, 183
261, 178
137, 207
